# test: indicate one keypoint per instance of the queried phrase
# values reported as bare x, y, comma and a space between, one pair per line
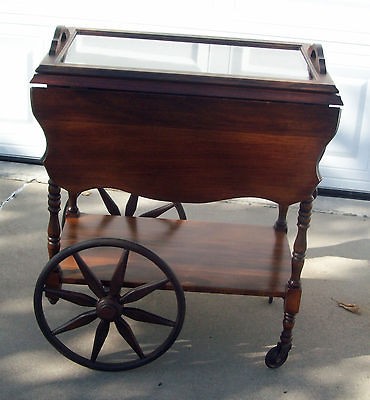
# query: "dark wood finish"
294, 289
319, 83
231, 90
281, 222
156, 145
54, 231
206, 257
319, 89
188, 138
54, 228
110, 307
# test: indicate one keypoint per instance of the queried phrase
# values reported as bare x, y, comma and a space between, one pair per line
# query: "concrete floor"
220, 351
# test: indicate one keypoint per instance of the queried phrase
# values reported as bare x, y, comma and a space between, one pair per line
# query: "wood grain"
182, 148
205, 256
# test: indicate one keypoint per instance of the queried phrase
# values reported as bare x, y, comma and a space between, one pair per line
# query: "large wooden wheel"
104, 324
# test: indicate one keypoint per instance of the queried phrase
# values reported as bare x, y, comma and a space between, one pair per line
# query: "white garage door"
341, 26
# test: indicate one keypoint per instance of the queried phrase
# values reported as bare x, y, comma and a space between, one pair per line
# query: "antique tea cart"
179, 119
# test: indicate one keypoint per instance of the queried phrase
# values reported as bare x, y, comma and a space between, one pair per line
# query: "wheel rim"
101, 326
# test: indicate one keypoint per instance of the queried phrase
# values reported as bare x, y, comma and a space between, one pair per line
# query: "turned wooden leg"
54, 231
54, 225
281, 224
278, 355
71, 208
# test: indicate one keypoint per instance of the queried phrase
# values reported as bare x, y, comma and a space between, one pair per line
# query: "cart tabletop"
184, 118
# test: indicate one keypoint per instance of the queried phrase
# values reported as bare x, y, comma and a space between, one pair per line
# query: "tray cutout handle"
61, 35
316, 54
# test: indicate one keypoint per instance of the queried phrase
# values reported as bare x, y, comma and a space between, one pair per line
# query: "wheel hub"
108, 309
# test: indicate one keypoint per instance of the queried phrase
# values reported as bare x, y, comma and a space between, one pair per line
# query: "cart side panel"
182, 148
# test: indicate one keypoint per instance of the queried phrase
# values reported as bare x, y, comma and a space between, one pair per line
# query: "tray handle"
61, 35
316, 54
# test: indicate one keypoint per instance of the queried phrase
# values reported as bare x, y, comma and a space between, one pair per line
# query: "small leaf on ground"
353, 308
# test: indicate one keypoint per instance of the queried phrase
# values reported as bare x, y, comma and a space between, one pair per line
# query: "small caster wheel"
271, 299
277, 356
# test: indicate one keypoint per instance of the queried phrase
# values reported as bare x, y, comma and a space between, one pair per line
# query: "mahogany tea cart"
182, 119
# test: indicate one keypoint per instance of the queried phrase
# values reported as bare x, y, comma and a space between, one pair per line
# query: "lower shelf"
205, 256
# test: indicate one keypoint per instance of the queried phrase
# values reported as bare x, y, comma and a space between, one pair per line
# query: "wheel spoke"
142, 291
145, 316
80, 299
100, 336
156, 212
108, 202
131, 205
180, 210
92, 281
119, 274
76, 322
126, 332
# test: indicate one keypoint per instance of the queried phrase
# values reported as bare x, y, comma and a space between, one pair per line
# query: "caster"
101, 323
277, 356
